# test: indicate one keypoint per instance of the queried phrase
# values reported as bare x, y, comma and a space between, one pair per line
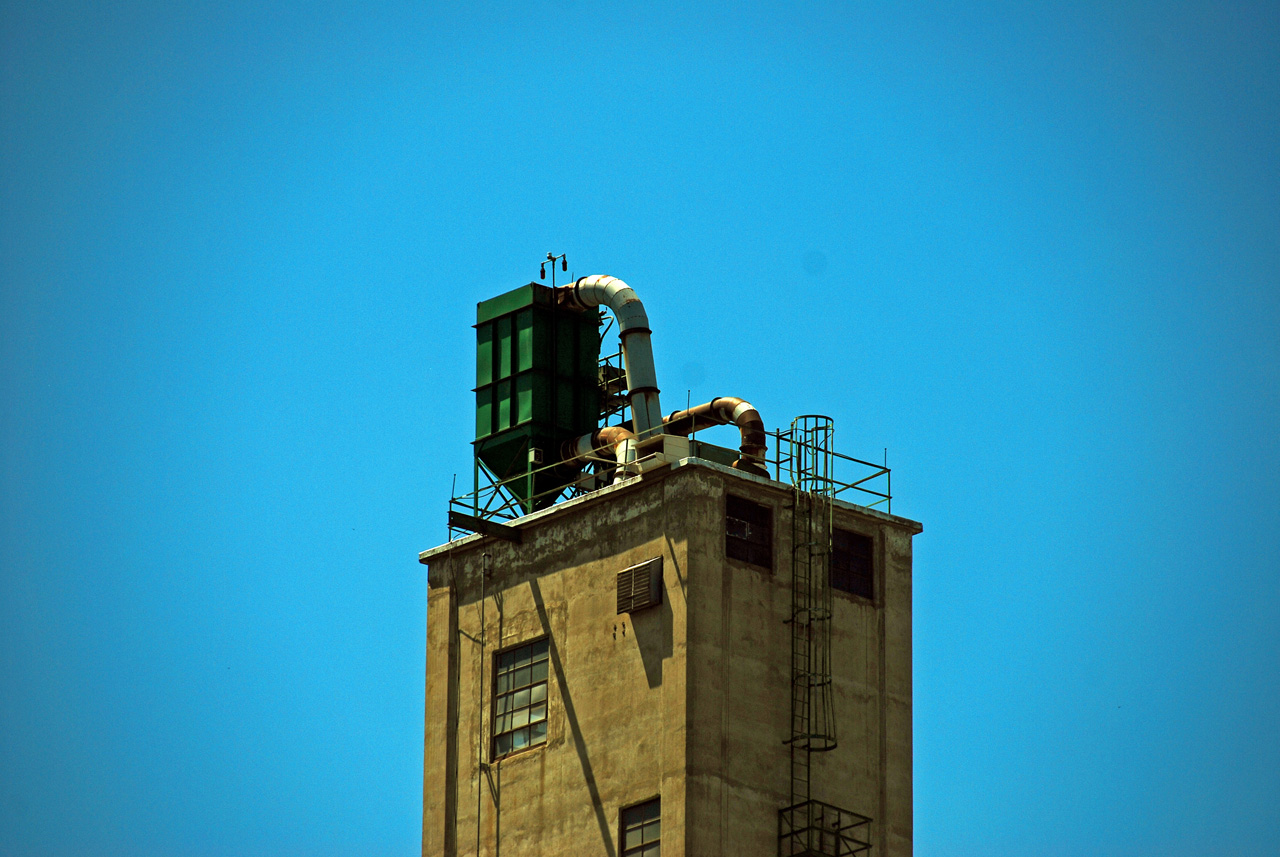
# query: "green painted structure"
537, 385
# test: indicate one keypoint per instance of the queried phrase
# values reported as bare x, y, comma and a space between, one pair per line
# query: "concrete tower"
693, 659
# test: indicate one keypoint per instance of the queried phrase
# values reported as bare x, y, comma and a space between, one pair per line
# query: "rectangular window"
853, 563
748, 531
520, 697
641, 829
640, 586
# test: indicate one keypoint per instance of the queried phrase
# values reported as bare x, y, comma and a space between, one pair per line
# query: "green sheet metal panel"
503, 338
502, 394
589, 353
484, 412
510, 302
484, 355
527, 392
524, 340
564, 403
536, 384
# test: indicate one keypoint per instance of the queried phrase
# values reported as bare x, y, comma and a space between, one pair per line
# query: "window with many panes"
520, 698
748, 531
642, 829
853, 563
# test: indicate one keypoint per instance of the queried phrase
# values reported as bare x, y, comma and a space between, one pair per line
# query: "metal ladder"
807, 461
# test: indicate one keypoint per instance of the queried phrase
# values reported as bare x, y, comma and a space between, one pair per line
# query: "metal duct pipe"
722, 411
637, 353
598, 445
611, 443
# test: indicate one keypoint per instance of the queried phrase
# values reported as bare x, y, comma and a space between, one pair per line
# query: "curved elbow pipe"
613, 444
722, 411
600, 445
637, 352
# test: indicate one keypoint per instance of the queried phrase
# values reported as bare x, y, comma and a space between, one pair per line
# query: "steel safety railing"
852, 479
501, 500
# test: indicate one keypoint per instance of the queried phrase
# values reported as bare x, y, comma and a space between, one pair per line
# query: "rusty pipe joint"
613, 444
722, 411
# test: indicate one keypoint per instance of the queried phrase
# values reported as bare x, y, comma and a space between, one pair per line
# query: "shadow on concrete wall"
566, 698
652, 629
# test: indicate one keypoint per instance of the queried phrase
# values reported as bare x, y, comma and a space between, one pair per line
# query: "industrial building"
639, 643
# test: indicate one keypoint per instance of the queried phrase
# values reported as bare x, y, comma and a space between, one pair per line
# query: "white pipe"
611, 443
637, 352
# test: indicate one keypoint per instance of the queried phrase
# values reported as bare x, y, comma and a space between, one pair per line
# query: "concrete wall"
688, 701
739, 680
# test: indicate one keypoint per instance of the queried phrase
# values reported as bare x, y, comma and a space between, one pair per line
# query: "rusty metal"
722, 411
611, 449
600, 445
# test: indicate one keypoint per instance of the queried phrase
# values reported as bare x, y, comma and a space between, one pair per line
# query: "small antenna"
552, 258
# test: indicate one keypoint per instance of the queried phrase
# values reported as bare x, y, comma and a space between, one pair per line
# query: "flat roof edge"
914, 527
631, 482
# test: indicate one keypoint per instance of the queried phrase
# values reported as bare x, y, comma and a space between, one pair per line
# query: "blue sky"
1032, 250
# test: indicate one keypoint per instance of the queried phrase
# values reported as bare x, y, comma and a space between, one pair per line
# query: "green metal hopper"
536, 386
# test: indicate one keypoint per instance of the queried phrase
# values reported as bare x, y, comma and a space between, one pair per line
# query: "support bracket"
480, 525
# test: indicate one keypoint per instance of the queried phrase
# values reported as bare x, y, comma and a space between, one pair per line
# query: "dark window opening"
853, 563
642, 829
748, 532
520, 698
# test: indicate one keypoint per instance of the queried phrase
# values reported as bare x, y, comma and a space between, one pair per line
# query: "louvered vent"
640, 586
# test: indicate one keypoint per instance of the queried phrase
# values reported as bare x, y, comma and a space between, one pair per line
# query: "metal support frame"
490, 499
461, 521
850, 479
817, 829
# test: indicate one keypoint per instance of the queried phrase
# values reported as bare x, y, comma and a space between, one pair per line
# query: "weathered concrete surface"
687, 701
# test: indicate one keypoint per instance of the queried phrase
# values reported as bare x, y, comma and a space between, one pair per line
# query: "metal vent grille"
640, 586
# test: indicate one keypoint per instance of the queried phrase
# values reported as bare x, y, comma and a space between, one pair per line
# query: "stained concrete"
687, 701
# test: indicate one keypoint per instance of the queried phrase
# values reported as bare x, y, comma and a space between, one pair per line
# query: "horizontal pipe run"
722, 411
